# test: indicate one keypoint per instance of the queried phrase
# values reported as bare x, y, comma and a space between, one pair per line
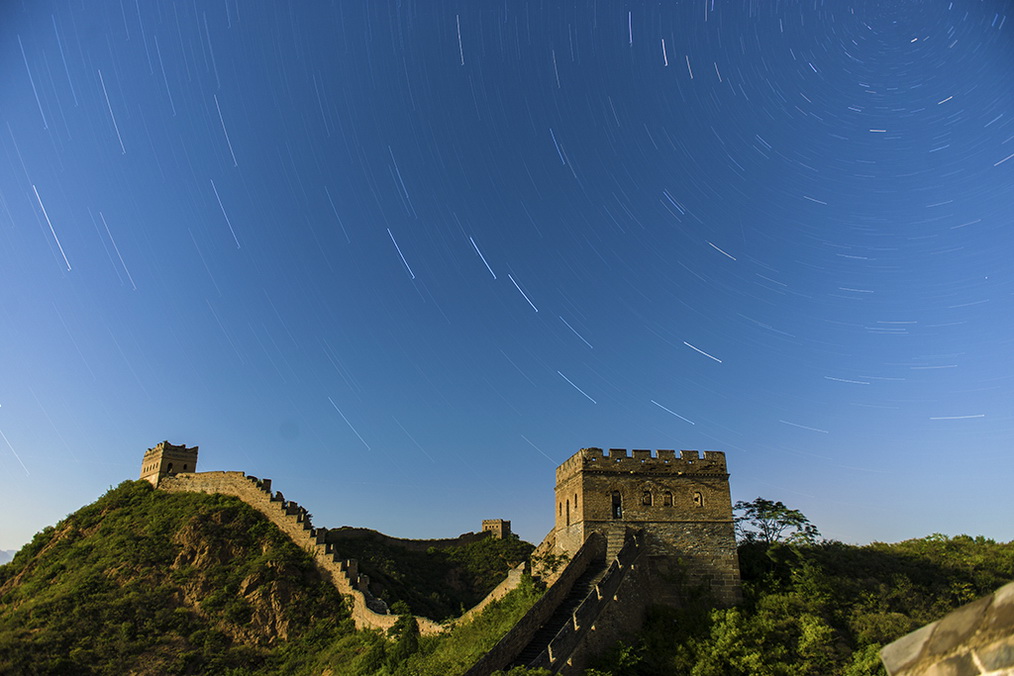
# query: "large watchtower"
167, 459
681, 503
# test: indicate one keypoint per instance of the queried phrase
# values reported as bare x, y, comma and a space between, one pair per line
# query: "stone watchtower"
500, 528
166, 459
680, 503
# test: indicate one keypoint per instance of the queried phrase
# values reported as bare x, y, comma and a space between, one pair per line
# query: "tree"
769, 522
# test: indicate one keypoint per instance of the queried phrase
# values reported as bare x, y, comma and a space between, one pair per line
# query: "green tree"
768, 522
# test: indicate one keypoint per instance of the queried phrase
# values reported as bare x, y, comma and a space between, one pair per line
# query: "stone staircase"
614, 543
583, 586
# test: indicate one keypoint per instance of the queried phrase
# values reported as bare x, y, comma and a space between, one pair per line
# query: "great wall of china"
623, 525
293, 520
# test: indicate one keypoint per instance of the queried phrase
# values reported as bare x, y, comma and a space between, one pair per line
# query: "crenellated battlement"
166, 459
663, 461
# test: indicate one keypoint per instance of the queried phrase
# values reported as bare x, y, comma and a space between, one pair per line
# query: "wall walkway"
521, 634
367, 612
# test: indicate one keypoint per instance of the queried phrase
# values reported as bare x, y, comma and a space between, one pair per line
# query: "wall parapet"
508, 647
567, 641
293, 520
663, 461
510, 583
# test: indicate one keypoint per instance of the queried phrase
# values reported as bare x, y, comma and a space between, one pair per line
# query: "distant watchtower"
166, 459
682, 504
498, 527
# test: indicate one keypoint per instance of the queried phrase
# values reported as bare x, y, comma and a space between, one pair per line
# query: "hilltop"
152, 582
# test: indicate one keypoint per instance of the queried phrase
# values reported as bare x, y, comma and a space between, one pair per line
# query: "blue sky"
405, 258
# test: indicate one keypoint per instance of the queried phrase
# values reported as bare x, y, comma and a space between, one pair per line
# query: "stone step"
564, 613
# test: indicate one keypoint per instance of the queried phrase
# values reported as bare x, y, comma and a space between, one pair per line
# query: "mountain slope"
150, 582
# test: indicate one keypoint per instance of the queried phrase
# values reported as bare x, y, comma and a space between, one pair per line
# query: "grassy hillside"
818, 610
156, 582
150, 582
438, 583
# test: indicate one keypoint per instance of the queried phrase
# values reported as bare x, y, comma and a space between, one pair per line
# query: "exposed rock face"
266, 592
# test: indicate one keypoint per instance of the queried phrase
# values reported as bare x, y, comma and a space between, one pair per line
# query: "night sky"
405, 258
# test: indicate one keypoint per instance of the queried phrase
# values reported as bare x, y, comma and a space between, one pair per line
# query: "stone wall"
682, 504
165, 459
509, 583
293, 521
706, 557
508, 648
613, 610
975, 640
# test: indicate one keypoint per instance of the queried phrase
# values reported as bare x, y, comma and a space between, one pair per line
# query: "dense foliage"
818, 609
151, 582
440, 582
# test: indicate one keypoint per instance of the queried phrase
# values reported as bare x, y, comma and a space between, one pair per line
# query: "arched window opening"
169, 468
568, 512
646, 498
617, 506
561, 509
575, 502
698, 499
184, 467
667, 499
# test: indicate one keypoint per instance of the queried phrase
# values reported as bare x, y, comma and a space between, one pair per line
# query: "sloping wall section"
368, 612
511, 645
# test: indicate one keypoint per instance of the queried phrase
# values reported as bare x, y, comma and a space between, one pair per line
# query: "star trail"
489, 234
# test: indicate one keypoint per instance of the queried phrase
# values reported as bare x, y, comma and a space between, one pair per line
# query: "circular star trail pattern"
404, 258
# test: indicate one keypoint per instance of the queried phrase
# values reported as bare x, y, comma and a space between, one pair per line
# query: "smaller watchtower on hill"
166, 459
500, 528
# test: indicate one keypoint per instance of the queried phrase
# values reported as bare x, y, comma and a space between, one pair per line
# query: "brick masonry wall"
977, 639
682, 504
